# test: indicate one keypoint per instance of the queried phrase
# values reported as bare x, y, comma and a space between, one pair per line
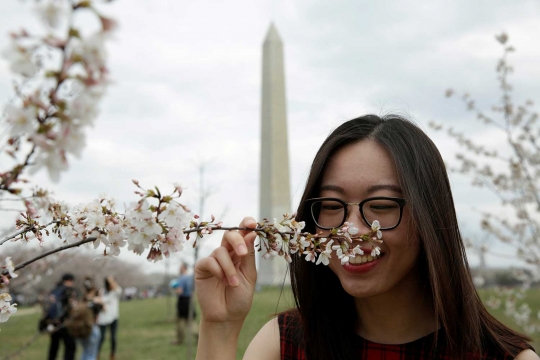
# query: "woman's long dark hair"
108, 286
318, 293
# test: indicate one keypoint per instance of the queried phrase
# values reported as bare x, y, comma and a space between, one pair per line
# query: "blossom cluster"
285, 238
6, 307
62, 76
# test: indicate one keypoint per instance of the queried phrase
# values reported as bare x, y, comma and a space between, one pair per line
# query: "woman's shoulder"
266, 344
527, 355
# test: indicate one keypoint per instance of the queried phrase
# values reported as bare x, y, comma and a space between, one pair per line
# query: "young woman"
108, 317
415, 300
94, 303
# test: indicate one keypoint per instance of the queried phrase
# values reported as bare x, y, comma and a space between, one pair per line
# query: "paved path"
27, 311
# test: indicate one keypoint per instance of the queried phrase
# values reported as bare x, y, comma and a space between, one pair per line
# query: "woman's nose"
355, 217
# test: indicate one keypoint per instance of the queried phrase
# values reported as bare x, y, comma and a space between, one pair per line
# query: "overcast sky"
187, 78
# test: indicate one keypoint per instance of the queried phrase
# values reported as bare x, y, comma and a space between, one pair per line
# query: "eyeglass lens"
331, 213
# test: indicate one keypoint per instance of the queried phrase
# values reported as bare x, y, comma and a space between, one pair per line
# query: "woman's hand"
225, 281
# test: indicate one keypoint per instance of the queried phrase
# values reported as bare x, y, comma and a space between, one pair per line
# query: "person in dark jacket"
56, 313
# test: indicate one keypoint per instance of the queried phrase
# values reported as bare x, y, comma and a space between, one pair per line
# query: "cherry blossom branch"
52, 118
30, 228
47, 253
165, 228
50, 252
515, 182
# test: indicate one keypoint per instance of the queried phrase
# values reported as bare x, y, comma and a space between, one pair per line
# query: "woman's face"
354, 173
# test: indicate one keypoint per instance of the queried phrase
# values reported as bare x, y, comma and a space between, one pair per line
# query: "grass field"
146, 327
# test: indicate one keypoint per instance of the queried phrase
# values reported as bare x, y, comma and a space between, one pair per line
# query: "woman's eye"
382, 207
331, 207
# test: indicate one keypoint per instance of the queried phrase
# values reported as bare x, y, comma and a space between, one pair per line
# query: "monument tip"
272, 34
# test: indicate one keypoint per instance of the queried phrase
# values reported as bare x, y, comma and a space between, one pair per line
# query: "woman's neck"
399, 316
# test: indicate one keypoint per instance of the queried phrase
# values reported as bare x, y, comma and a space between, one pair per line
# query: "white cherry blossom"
310, 255
20, 59
376, 251
23, 121
324, 256
376, 226
6, 309
51, 12
10, 267
72, 139
53, 160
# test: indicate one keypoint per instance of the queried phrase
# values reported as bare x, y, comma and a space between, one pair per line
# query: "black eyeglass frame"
400, 201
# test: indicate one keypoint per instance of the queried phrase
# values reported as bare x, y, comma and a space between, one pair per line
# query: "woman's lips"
363, 267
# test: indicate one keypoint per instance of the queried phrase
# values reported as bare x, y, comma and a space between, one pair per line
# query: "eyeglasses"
329, 213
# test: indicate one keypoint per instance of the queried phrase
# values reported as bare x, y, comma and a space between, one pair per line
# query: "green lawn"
146, 327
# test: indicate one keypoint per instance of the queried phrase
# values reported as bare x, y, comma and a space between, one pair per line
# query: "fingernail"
241, 249
234, 280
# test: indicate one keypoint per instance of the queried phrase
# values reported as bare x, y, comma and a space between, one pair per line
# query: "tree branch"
26, 229
50, 252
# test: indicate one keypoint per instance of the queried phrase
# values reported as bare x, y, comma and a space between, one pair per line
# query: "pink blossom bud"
108, 24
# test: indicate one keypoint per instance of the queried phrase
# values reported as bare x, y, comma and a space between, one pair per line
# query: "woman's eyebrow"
370, 189
390, 187
332, 188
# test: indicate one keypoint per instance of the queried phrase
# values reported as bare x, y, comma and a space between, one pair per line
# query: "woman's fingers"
220, 263
225, 262
247, 222
208, 267
237, 241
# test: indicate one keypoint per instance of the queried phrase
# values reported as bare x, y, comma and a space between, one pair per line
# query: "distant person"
93, 304
184, 290
56, 312
108, 317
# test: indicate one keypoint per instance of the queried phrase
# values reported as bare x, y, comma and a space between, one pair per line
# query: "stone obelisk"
274, 182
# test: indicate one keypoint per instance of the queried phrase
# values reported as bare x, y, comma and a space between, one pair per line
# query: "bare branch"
50, 252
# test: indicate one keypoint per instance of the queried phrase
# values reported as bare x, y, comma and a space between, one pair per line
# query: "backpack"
80, 321
56, 307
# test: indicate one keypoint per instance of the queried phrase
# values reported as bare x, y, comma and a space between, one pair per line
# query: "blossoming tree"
511, 171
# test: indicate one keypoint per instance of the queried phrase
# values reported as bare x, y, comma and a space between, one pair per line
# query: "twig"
50, 252
61, 248
10, 209
26, 229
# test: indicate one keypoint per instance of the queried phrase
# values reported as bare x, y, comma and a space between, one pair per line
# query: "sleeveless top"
420, 349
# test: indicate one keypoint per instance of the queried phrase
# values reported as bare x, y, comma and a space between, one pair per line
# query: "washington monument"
274, 183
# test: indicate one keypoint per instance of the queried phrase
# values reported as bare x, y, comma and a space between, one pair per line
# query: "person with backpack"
81, 323
56, 313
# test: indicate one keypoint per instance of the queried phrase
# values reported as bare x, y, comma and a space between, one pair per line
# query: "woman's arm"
225, 283
218, 340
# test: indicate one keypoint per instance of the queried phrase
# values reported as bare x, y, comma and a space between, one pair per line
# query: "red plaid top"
420, 349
